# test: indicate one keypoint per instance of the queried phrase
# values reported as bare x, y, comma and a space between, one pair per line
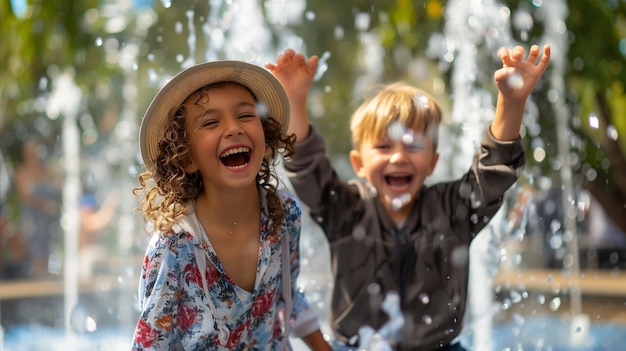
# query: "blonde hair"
395, 103
166, 187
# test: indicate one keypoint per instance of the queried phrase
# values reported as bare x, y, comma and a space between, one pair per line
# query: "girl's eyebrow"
210, 111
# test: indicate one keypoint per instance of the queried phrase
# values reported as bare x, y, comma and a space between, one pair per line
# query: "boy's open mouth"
397, 180
236, 158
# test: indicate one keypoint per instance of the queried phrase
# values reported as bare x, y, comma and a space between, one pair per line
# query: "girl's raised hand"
294, 72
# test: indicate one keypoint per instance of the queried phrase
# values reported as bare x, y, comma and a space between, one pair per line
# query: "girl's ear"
357, 163
191, 168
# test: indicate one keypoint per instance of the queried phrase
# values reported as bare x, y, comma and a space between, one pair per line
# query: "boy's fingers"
546, 56
517, 53
533, 53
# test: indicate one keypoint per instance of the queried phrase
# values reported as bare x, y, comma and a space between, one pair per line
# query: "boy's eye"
381, 146
415, 146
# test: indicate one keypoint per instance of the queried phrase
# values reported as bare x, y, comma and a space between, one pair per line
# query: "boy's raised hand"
518, 76
294, 72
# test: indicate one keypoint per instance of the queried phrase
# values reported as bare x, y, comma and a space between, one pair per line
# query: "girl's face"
397, 169
227, 141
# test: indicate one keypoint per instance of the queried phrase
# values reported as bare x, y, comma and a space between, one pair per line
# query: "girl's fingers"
503, 53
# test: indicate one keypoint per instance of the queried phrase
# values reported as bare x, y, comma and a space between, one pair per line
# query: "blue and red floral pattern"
175, 311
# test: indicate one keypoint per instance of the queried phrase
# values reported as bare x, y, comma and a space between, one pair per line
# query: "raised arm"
296, 74
515, 81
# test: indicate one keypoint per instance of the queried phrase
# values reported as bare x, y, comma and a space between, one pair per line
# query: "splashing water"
388, 334
400, 201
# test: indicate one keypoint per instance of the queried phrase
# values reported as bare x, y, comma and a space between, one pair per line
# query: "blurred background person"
39, 190
95, 217
13, 250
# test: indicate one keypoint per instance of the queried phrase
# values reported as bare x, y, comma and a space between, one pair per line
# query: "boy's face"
227, 141
397, 168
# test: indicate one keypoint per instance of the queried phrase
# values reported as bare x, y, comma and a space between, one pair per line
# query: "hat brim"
262, 84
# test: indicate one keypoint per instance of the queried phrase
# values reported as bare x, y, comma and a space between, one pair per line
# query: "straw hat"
261, 83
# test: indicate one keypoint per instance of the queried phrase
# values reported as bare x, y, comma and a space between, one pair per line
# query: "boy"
391, 233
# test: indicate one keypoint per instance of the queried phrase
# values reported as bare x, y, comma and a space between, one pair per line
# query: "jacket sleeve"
333, 204
496, 167
310, 172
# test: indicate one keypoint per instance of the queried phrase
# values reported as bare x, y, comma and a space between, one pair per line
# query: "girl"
221, 268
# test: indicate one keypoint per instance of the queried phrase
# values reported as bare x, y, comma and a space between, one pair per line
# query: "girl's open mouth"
236, 158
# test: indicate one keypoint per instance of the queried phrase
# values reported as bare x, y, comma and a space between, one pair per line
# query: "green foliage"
58, 35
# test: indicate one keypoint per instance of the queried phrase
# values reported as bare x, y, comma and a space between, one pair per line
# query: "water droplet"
373, 289
424, 298
516, 297
474, 218
594, 122
518, 319
555, 304
541, 299
359, 233
396, 131
523, 20
460, 256
399, 202
515, 81
611, 132
362, 21
262, 109
81, 319
408, 138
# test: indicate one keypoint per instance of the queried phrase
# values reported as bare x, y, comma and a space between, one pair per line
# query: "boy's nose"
397, 157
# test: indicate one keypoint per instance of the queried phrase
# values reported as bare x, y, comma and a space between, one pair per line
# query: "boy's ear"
433, 163
357, 163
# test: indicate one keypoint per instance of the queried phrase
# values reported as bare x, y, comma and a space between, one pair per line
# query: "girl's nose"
234, 128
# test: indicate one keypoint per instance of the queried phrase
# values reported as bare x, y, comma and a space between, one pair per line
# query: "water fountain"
474, 31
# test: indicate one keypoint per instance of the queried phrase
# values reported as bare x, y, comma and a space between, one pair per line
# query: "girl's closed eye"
247, 116
209, 123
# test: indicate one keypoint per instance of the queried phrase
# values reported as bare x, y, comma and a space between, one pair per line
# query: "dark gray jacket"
425, 261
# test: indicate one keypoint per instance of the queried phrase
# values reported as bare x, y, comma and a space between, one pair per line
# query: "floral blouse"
175, 311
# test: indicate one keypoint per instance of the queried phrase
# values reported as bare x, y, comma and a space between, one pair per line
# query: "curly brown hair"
166, 187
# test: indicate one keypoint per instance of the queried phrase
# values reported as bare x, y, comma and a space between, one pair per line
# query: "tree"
55, 35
